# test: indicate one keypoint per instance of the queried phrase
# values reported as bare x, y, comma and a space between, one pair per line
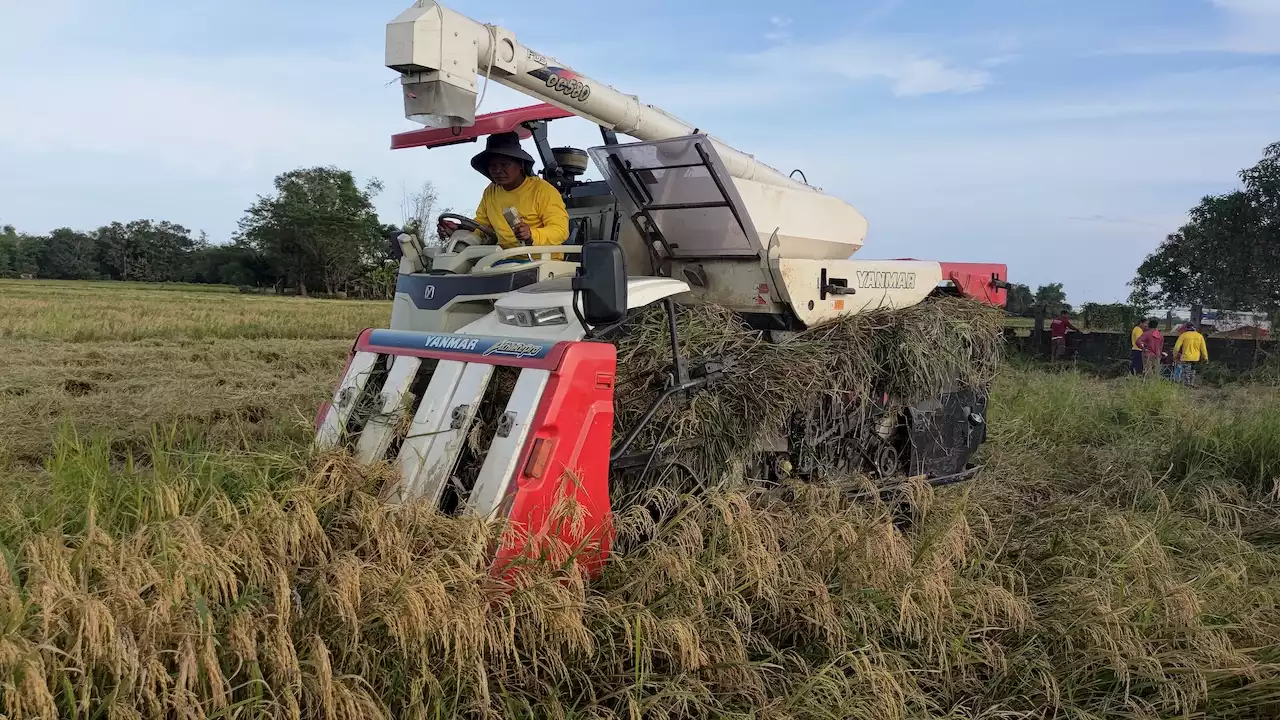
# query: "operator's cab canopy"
561, 166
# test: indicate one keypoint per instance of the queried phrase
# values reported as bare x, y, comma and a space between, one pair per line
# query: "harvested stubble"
85, 312
912, 354
217, 393
114, 359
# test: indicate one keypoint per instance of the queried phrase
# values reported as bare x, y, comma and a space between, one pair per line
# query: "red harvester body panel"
567, 456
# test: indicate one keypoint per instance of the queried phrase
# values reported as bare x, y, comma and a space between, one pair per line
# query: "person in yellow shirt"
1189, 351
1135, 354
543, 217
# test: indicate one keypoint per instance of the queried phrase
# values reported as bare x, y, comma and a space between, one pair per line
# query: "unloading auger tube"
442, 55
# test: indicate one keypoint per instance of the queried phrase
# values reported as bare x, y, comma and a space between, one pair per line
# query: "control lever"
512, 217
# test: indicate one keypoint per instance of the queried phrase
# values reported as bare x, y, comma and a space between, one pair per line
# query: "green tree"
69, 255
1112, 316
8, 244
165, 247
318, 229
418, 210
19, 253
116, 256
1052, 298
144, 250
1021, 301
234, 264
1262, 182
1227, 255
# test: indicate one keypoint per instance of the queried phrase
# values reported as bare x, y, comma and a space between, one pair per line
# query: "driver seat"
578, 229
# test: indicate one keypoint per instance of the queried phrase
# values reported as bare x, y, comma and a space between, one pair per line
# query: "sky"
1064, 139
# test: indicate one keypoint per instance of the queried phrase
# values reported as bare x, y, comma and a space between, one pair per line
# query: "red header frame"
488, 124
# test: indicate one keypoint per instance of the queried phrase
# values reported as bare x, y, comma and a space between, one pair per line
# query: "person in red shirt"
1151, 343
1058, 334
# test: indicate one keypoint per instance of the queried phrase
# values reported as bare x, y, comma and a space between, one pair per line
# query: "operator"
543, 218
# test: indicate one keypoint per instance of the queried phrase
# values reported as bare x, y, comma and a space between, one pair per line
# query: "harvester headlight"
538, 317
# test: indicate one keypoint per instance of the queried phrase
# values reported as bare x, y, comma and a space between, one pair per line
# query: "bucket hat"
506, 144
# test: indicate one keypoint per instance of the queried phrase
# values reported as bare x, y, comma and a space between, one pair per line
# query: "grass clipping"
912, 354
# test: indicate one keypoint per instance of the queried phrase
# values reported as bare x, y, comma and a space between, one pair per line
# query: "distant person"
1135, 352
1058, 334
1188, 352
1151, 343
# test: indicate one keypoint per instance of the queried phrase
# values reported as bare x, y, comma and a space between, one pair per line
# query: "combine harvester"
679, 218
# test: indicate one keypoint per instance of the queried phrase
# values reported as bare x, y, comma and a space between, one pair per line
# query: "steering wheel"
467, 223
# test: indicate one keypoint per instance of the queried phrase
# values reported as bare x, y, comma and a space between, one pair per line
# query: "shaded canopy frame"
489, 124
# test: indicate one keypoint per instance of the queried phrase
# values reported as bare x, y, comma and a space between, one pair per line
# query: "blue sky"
1065, 139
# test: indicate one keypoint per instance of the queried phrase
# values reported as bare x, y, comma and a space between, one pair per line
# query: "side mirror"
602, 280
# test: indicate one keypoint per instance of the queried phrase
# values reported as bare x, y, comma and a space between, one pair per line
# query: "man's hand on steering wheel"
447, 223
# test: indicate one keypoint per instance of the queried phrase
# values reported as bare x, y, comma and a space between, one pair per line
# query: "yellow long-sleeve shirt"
539, 205
1191, 347
1134, 335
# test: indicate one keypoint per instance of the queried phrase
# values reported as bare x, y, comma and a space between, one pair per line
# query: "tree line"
1051, 299
317, 232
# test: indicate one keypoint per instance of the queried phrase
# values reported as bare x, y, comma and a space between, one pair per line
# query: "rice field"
172, 552
81, 312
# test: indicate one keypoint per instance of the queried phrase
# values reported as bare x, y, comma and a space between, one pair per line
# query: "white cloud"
193, 122
1078, 197
209, 116
908, 72
1253, 26
925, 76
21, 22
780, 31
1171, 98
195, 139
880, 11
1159, 224
1245, 27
